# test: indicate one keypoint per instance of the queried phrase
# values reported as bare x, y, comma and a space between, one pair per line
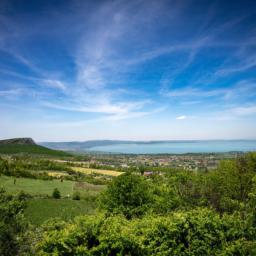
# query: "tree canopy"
129, 194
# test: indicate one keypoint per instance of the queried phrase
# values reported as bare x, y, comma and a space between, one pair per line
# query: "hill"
27, 146
18, 141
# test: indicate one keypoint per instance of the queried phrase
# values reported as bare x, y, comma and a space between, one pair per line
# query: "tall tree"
128, 194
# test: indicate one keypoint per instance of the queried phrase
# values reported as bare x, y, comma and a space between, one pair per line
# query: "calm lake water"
180, 147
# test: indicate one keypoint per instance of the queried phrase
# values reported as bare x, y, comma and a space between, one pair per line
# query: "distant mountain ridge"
18, 141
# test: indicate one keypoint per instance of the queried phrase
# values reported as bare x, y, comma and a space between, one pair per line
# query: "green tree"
4, 166
229, 186
129, 194
12, 224
56, 194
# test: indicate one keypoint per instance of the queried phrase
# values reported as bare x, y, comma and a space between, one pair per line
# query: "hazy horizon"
139, 70
132, 140
164, 140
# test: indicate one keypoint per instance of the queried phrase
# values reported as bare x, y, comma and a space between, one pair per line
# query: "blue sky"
139, 70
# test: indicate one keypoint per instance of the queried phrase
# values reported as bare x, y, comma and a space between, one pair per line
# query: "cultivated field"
97, 171
57, 174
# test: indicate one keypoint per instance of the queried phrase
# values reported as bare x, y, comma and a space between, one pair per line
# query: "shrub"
197, 232
12, 224
128, 194
56, 194
76, 196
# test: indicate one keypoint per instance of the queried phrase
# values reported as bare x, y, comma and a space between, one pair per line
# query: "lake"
180, 147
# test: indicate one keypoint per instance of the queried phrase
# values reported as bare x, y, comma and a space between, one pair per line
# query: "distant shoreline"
156, 147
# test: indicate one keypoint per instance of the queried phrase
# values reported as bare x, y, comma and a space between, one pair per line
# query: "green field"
40, 210
46, 187
86, 189
36, 186
31, 149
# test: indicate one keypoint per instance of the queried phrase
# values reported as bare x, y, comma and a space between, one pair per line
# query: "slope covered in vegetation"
18, 141
27, 146
30, 149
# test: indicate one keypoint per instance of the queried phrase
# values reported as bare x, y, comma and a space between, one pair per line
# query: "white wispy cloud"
193, 92
245, 64
244, 111
205, 39
243, 88
190, 102
54, 83
121, 109
235, 113
130, 115
11, 92
181, 117
100, 63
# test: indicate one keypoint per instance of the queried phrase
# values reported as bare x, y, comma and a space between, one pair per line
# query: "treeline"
31, 163
29, 167
26, 149
36, 168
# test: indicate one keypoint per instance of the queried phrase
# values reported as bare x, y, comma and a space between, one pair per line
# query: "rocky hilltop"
18, 141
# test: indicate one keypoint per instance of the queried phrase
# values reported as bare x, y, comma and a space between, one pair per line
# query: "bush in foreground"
197, 232
12, 224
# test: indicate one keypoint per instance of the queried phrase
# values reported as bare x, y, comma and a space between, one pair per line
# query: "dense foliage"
196, 232
128, 194
22, 163
12, 225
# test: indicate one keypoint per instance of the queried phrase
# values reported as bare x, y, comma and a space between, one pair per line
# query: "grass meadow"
36, 186
42, 207
39, 210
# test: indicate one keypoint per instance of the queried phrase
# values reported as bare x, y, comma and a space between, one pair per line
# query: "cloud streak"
243, 88
181, 117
